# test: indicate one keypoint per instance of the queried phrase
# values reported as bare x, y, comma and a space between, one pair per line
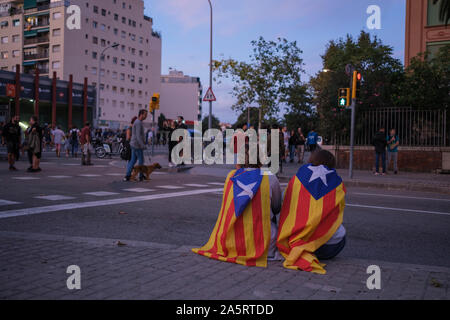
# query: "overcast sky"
184, 25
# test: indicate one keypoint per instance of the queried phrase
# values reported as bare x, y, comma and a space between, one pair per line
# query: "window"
123, 48
56, 48
114, 75
102, 27
56, 15
114, 103
433, 14
104, 12
123, 5
94, 40
122, 76
116, 31
122, 62
94, 70
123, 34
116, 17
94, 55
56, 64
124, 20
141, 40
140, 80
15, 53
4, 40
95, 9
132, 78
103, 43
115, 60
86, 52
4, 24
15, 38
56, 32
95, 24
16, 23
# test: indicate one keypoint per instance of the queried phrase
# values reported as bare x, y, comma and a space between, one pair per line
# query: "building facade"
424, 30
115, 41
181, 95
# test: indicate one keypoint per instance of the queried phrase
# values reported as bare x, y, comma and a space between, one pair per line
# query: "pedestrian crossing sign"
209, 96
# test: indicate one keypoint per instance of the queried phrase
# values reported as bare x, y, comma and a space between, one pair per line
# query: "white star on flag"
319, 172
246, 189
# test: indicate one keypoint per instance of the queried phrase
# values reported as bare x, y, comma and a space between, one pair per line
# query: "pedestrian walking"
286, 137
58, 139
171, 143
137, 144
67, 145
85, 140
293, 142
12, 135
34, 144
312, 139
380, 143
301, 145
392, 150
74, 141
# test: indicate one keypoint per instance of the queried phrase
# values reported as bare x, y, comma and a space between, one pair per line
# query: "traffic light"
154, 103
344, 97
356, 85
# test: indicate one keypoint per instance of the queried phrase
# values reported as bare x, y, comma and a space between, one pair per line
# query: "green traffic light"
342, 102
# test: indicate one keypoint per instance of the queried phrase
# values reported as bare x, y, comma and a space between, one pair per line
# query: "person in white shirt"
58, 139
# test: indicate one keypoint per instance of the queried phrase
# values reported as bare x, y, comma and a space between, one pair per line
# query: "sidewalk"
33, 266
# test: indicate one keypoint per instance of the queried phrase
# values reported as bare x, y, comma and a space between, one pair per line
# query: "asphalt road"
181, 208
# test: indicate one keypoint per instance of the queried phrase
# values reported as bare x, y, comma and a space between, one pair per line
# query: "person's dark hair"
181, 117
323, 157
143, 111
35, 119
133, 120
247, 158
87, 124
275, 126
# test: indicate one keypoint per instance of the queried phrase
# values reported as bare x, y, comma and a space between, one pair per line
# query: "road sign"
10, 90
209, 96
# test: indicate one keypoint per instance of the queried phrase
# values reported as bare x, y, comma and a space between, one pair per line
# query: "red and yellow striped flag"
241, 238
312, 211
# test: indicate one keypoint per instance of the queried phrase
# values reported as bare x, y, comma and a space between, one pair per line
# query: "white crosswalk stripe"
54, 197
25, 178
195, 185
7, 203
169, 187
101, 193
139, 190
216, 183
60, 177
89, 175
115, 174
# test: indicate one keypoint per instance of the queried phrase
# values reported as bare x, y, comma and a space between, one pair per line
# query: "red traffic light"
359, 76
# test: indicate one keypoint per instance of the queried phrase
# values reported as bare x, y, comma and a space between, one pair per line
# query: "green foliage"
265, 81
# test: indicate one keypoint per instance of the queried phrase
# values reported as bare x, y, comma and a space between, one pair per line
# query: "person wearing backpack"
74, 135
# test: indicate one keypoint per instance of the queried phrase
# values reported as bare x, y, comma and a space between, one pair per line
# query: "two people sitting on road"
255, 225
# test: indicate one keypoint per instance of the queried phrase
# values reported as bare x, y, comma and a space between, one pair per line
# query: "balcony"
36, 56
37, 40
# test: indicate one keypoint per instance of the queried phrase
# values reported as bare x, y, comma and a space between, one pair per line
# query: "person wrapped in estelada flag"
311, 217
246, 230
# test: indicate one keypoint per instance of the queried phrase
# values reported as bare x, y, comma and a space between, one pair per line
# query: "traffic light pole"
352, 138
153, 134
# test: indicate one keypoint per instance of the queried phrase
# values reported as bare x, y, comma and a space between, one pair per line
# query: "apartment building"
424, 30
181, 95
36, 35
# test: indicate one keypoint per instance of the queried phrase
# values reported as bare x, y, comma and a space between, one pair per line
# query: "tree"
381, 72
426, 82
444, 10
264, 81
215, 123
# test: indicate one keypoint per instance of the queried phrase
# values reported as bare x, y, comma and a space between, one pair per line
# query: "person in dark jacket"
380, 143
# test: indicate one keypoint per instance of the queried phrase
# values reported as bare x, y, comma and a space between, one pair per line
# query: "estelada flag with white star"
242, 232
312, 211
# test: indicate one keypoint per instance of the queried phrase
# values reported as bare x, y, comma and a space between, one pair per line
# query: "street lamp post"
210, 65
97, 107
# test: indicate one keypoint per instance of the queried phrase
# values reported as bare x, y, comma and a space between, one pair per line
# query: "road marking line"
60, 177
216, 183
109, 202
89, 175
159, 173
395, 196
54, 198
26, 178
196, 185
71, 164
397, 209
115, 174
101, 193
140, 190
169, 187
7, 203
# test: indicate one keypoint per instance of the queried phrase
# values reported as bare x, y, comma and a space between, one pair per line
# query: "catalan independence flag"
312, 211
242, 231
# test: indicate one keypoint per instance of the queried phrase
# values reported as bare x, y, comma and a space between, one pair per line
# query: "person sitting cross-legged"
310, 226
246, 228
